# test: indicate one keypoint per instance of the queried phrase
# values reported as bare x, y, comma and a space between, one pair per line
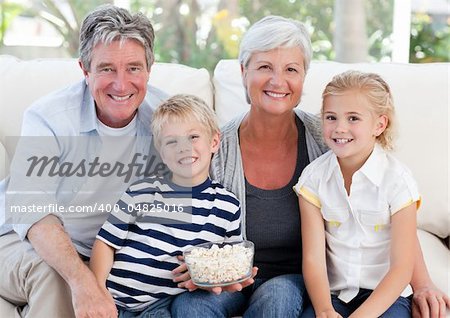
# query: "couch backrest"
421, 98
22, 82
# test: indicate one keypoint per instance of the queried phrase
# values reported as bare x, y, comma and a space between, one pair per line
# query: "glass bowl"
220, 263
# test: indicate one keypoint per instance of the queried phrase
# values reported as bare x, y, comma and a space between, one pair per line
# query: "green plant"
181, 36
430, 40
318, 15
8, 11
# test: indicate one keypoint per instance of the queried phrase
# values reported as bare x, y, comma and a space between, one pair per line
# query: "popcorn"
211, 265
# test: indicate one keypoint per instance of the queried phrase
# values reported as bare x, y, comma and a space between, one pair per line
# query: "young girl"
358, 207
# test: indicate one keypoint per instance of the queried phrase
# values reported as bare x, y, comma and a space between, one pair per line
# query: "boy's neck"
188, 184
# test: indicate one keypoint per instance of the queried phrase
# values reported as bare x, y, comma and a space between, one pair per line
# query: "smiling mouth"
120, 98
187, 160
342, 140
275, 95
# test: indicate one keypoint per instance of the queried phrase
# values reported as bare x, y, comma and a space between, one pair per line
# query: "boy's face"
186, 148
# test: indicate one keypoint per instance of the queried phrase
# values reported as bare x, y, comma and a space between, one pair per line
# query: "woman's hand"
429, 302
184, 280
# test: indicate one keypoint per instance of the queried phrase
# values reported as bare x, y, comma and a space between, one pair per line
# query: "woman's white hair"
274, 32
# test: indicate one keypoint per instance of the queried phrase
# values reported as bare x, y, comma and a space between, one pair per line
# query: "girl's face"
350, 128
274, 79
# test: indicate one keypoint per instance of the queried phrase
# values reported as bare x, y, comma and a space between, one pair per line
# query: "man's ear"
382, 123
85, 72
149, 69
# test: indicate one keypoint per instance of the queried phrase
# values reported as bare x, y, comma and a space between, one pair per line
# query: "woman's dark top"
273, 221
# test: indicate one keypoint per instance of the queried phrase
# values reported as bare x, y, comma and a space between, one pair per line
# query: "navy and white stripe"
146, 251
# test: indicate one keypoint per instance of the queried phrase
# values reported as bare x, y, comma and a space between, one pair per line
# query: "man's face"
118, 81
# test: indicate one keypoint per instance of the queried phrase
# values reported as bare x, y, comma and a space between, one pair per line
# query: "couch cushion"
421, 97
182, 79
22, 82
229, 94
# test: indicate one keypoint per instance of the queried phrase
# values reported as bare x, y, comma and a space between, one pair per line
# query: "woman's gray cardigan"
226, 166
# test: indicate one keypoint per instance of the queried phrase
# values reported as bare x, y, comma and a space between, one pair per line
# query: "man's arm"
53, 244
428, 300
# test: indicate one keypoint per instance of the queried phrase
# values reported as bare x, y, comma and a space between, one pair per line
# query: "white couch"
421, 95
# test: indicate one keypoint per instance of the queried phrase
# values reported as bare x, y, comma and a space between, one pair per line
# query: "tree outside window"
201, 32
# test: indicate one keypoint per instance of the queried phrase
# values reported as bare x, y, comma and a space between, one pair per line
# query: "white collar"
373, 168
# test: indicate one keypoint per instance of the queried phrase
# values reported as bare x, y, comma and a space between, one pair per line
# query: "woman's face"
274, 79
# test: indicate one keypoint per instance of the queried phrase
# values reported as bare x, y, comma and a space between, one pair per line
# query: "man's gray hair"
274, 32
109, 23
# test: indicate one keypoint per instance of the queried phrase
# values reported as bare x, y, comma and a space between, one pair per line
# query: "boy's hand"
182, 276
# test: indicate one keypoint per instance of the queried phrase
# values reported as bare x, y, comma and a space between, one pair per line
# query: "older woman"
261, 156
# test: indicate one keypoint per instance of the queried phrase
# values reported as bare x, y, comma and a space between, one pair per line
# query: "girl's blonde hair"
183, 108
377, 93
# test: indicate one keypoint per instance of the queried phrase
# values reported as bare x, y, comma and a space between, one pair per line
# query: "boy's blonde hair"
377, 93
183, 108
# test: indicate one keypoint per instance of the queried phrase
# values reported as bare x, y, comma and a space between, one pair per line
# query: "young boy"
158, 218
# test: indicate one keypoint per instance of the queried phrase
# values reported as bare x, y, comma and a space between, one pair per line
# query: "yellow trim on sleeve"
411, 201
310, 197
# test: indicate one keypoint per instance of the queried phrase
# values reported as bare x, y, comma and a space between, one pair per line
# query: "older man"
43, 255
